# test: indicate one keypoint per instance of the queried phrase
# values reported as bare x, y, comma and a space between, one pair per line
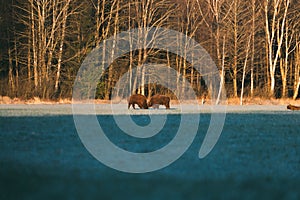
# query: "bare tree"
284, 62
297, 70
215, 7
236, 25
45, 23
148, 14
219, 11
45, 45
115, 32
65, 14
244, 69
275, 20
188, 22
222, 80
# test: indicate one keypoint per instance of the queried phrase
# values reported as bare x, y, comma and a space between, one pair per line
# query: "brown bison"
291, 107
138, 99
158, 99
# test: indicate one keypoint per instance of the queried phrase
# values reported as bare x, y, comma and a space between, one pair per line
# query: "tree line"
255, 44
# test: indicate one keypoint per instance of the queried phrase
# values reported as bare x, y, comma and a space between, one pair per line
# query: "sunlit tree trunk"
61, 45
244, 70
222, 74
148, 14
253, 31
10, 73
34, 46
271, 21
113, 50
235, 48
131, 90
297, 71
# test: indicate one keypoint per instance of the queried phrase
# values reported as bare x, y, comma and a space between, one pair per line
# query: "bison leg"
168, 106
140, 105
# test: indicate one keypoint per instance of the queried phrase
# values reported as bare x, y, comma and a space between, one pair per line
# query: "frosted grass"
121, 109
256, 157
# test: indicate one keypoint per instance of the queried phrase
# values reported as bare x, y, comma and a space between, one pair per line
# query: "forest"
255, 44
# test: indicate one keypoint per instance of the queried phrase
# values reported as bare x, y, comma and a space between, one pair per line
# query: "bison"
292, 107
138, 99
158, 99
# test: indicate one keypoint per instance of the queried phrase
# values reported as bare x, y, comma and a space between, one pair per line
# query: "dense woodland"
254, 43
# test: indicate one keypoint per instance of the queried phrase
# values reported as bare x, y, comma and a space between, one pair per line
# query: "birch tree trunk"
297, 72
284, 65
10, 73
148, 14
244, 70
270, 28
61, 45
253, 31
235, 51
113, 49
34, 47
222, 80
